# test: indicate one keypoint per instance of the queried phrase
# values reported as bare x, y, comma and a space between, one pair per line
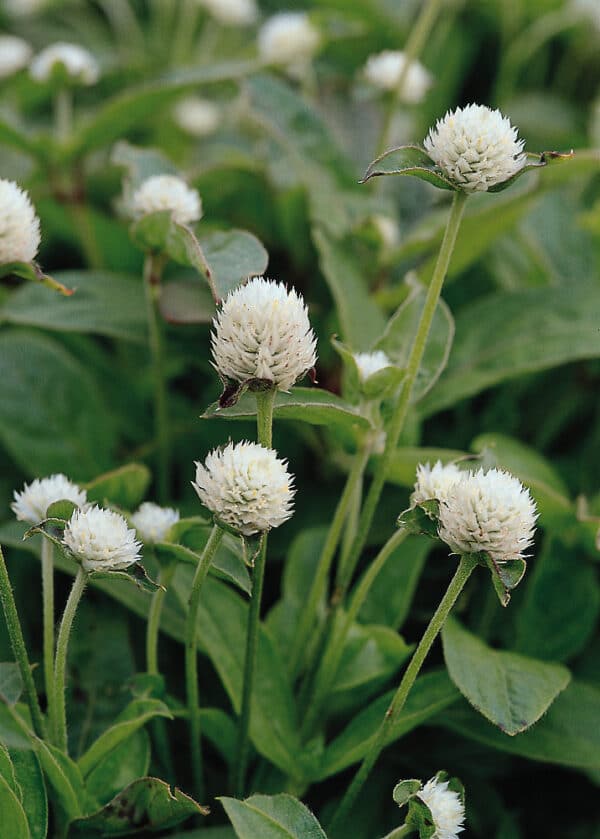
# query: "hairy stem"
48, 623
153, 626
60, 666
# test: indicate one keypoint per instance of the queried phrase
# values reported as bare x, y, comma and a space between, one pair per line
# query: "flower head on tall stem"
167, 192
77, 63
153, 522
31, 504
101, 540
19, 225
385, 70
14, 55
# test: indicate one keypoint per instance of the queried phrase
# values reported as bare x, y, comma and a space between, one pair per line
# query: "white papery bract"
78, 63
153, 522
476, 147
434, 482
31, 504
196, 116
446, 807
101, 540
19, 225
488, 511
232, 12
288, 38
370, 362
262, 331
14, 55
246, 486
385, 70
167, 192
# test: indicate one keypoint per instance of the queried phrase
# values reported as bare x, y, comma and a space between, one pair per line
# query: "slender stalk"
59, 711
399, 832
191, 658
48, 622
412, 368
185, 31
264, 422
379, 741
17, 643
351, 529
153, 626
63, 114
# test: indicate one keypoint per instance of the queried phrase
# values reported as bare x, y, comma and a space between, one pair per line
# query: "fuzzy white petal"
434, 482
78, 63
232, 12
197, 117
288, 38
167, 192
385, 69
153, 522
101, 540
14, 55
446, 808
31, 504
370, 362
19, 225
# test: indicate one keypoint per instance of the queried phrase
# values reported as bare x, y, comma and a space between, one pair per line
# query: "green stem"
153, 266
414, 362
153, 626
265, 403
399, 832
17, 643
60, 666
351, 529
48, 623
185, 31
63, 114
379, 741
191, 658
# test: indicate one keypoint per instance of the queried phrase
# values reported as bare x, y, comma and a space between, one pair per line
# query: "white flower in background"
288, 38
370, 362
388, 230
167, 192
32, 503
589, 10
153, 522
14, 55
385, 69
246, 486
232, 12
446, 807
101, 539
476, 147
78, 63
434, 482
488, 511
22, 8
262, 331
196, 116
19, 225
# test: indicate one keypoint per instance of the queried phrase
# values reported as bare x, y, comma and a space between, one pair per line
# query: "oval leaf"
272, 817
408, 160
232, 256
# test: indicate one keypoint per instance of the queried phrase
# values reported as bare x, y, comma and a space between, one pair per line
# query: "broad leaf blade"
272, 817
408, 160
124, 487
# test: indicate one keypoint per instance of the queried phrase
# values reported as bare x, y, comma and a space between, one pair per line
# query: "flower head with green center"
19, 225
446, 808
434, 482
161, 193
78, 63
101, 540
153, 522
31, 504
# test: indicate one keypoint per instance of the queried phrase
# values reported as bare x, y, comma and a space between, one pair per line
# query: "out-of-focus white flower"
22, 8
196, 116
246, 486
476, 147
153, 522
232, 12
262, 331
388, 230
288, 38
385, 70
488, 511
101, 540
78, 63
434, 482
589, 10
19, 225
446, 808
31, 504
14, 55
370, 362
167, 192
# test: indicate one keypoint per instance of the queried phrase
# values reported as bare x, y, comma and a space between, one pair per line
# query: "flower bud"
167, 192
19, 225
32, 503
369, 363
101, 540
78, 63
153, 522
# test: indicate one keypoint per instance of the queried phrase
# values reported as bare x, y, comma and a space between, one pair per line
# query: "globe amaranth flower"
31, 504
19, 225
232, 12
153, 522
78, 63
385, 70
262, 331
488, 511
446, 807
434, 482
101, 540
14, 55
246, 486
476, 147
288, 38
196, 116
167, 192
369, 363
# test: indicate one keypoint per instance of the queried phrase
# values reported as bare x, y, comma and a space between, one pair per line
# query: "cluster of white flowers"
369, 363
476, 147
31, 504
446, 807
167, 192
232, 12
246, 486
386, 69
14, 55
153, 522
434, 482
19, 225
101, 540
77, 62
196, 116
288, 38
262, 331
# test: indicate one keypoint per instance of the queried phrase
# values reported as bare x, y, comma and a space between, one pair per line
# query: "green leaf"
11, 683
232, 257
125, 764
14, 820
186, 301
124, 487
146, 804
421, 520
405, 790
64, 777
62, 510
508, 689
140, 163
32, 272
272, 817
505, 575
28, 775
534, 161
134, 573
159, 233
403, 468
222, 731
409, 160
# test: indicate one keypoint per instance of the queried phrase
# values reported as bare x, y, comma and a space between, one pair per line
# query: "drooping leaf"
272, 817
408, 160
135, 573
124, 487
31, 271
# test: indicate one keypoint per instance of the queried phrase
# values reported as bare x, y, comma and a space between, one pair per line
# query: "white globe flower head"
19, 225
14, 55
101, 540
434, 482
167, 192
153, 522
78, 63
246, 486
369, 363
262, 331
488, 511
446, 807
288, 38
385, 71
31, 504
233, 12
196, 116
476, 147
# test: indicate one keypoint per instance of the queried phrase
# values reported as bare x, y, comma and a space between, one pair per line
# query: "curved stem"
17, 643
153, 626
48, 624
379, 741
399, 832
60, 666
191, 658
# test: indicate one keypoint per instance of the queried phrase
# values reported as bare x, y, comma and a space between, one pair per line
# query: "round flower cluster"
385, 70
167, 192
153, 522
19, 225
101, 540
31, 504
262, 331
14, 55
197, 117
232, 12
288, 38
246, 486
434, 482
78, 63
476, 147
369, 363
446, 807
